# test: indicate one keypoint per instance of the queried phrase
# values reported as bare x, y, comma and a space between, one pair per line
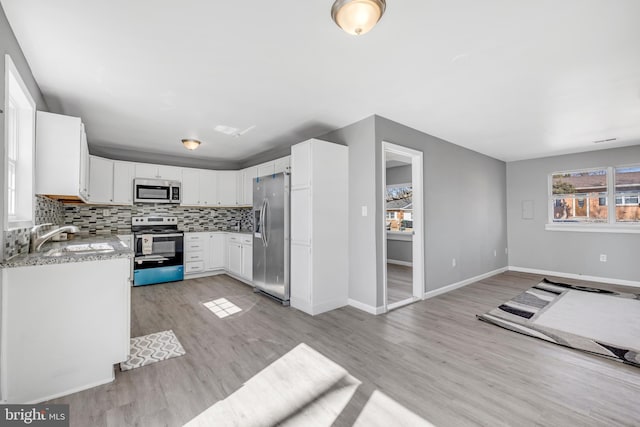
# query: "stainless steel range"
159, 250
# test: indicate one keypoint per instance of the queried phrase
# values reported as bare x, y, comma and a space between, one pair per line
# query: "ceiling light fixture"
191, 144
357, 17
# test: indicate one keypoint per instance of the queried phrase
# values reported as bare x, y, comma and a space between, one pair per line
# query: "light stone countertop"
40, 258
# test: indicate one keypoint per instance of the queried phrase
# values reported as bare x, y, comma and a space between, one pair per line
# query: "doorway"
402, 225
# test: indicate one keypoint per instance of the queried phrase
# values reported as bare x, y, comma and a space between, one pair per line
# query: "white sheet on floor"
612, 320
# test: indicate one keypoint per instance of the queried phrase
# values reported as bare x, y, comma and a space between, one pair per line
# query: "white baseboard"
188, 276
397, 262
316, 309
365, 307
576, 276
454, 286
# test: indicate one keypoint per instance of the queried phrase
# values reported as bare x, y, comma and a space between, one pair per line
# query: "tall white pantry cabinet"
319, 234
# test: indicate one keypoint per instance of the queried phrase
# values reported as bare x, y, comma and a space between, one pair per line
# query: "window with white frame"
627, 194
583, 196
20, 141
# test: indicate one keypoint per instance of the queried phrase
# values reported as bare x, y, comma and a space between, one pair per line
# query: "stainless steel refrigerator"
271, 235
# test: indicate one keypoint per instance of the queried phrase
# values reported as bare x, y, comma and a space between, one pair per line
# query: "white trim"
10, 69
397, 262
594, 228
218, 272
365, 307
402, 303
598, 279
417, 184
454, 286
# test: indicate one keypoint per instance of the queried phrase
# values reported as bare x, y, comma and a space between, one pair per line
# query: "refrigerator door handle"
264, 229
262, 223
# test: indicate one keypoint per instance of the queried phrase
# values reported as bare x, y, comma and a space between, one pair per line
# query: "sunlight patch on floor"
222, 307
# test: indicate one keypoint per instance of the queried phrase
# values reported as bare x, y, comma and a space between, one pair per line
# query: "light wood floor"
399, 283
433, 357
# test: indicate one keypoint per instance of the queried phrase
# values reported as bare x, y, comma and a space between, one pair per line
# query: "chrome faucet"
36, 241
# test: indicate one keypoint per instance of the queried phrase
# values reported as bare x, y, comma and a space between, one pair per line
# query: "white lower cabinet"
247, 260
217, 254
235, 258
208, 252
63, 327
240, 248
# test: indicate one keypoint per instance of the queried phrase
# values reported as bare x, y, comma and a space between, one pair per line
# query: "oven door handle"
161, 235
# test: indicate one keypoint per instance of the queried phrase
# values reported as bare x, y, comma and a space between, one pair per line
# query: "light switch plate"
364, 211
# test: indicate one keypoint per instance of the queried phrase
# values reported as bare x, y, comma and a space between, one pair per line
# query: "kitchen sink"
80, 249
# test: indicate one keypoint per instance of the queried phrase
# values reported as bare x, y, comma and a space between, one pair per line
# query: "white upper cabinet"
123, 173
227, 188
190, 187
208, 188
266, 169
111, 181
147, 170
171, 173
100, 180
62, 156
247, 176
301, 166
281, 165
84, 165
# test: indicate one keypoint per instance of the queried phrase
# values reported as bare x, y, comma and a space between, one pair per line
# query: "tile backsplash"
16, 241
100, 219
49, 211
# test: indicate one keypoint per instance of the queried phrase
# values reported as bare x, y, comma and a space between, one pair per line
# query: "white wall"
530, 246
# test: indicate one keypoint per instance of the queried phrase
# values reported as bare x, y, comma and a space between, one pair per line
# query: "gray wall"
399, 175
465, 207
360, 138
400, 250
531, 246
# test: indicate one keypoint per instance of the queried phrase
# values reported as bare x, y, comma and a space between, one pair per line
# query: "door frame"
417, 184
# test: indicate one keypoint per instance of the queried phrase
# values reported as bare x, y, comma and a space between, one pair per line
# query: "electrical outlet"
106, 212
453, 262
603, 257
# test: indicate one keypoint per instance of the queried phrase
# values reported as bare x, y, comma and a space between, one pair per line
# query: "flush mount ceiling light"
357, 17
190, 144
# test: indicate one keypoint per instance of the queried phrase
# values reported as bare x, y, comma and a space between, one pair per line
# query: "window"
583, 196
399, 208
19, 137
627, 194
580, 196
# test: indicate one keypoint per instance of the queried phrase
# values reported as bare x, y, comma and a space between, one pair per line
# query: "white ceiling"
510, 79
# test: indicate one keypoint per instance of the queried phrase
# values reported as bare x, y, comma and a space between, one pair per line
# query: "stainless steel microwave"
156, 191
